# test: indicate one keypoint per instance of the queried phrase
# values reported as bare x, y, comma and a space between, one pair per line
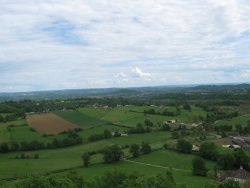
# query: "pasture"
49, 123
80, 119
237, 120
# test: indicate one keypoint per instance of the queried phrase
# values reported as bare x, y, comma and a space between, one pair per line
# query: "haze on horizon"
60, 44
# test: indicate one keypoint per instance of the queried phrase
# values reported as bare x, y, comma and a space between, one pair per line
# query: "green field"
180, 177
94, 112
80, 119
237, 120
23, 133
95, 121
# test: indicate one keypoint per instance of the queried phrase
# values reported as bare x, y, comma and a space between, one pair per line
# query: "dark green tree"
184, 146
4, 147
175, 135
226, 161
208, 150
107, 134
14, 146
134, 150
241, 159
112, 153
86, 159
229, 184
148, 123
199, 167
145, 148
186, 107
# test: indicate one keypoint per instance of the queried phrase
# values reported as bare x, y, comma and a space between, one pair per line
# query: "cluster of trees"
106, 135
109, 179
226, 161
136, 149
166, 112
56, 181
219, 128
25, 156
114, 178
110, 154
216, 114
184, 146
233, 160
243, 130
72, 139
139, 129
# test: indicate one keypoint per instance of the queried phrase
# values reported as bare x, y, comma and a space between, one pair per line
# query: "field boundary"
158, 166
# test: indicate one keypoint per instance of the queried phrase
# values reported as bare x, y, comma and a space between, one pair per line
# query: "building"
240, 175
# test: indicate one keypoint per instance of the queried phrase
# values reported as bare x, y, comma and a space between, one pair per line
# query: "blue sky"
61, 44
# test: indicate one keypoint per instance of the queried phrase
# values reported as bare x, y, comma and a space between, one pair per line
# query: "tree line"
72, 139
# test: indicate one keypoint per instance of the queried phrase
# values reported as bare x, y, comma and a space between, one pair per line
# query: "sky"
62, 44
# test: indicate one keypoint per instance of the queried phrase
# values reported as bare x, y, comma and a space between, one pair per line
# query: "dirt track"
49, 123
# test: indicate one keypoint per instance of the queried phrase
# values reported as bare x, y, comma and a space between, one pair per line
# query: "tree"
238, 127
241, 159
14, 146
135, 150
4, 147
36, 156
107, 134
208, 150
1, 118
112, 153
148, 123
199, 167
175, 135
186, 107
226, 161
184, 146
145, 148
56, 181
230, 184
86, 159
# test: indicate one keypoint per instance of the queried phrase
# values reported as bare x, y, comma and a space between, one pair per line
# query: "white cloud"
139, 72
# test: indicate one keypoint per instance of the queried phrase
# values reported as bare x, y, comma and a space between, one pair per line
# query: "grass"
153, 137
170, 158
180, 177
23, 133
98, 130
131, 116
80, 119
96, 113
120, 114
237, 120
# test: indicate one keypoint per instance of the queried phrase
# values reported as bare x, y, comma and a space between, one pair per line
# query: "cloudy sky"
67, 44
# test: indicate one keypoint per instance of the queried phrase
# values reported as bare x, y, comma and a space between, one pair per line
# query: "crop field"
80, 119
49, 123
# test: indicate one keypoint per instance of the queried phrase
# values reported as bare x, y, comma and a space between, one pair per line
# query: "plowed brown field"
49, 123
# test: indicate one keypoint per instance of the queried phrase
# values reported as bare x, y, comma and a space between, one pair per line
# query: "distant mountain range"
119, 92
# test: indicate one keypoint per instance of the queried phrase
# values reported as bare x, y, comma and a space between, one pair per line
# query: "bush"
36, 156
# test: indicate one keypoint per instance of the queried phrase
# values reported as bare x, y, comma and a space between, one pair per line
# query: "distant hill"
119, 92
214, 88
